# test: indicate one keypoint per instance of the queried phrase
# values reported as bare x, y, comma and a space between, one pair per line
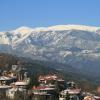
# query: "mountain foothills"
36, 68
75, 45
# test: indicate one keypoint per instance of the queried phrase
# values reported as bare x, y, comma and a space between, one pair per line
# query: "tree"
33, 81
67, 96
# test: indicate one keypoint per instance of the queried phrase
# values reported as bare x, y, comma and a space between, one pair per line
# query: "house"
43, 93
10, 93
22, 83
4, 88
45, 79
4, 80
72, 94
7, 78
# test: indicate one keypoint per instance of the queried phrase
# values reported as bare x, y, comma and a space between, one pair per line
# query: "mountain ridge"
75, 45
56, 27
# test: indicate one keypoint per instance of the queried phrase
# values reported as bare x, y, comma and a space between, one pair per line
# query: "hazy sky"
40, 13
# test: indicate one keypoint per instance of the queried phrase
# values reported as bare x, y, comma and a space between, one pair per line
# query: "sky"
43, 13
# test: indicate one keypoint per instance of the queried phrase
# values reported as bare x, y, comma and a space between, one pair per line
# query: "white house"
72, 93
10, 93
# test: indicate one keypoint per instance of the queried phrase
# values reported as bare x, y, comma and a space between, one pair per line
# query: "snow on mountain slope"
74, 27
23, 31
77, 45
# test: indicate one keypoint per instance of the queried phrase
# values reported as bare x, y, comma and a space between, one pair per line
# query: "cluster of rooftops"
49, 86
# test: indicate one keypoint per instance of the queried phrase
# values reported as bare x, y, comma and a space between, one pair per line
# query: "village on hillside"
15, 85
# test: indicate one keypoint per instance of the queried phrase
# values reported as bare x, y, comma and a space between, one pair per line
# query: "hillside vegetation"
36, 68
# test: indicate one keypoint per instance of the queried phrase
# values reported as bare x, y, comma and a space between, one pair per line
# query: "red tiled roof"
39, 87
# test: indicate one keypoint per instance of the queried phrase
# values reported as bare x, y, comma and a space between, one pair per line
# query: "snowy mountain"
76, 45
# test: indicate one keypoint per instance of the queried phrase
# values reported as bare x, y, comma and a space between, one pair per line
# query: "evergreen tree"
67, 96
